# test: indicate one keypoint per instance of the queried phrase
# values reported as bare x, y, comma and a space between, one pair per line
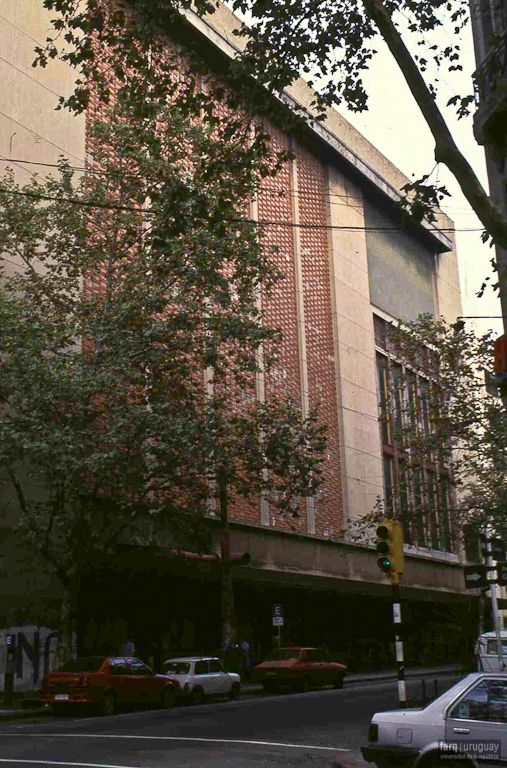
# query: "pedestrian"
245, 657
127, 648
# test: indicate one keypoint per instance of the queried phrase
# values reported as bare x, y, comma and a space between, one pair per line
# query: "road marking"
174, 738
61, 762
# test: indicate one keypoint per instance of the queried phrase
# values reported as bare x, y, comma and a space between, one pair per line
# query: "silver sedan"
466, 726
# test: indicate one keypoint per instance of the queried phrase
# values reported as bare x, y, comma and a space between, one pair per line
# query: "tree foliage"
332, 43
452, 425
120, 288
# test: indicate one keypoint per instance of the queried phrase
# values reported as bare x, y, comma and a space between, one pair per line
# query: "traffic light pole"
494, 609
398, 643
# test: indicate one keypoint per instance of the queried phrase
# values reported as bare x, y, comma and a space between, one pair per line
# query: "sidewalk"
247, 687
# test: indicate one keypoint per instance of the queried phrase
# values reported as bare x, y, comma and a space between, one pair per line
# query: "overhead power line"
264, 189
260, 222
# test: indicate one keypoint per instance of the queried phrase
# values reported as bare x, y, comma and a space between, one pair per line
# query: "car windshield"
284, 654
176, 668
492, 646
87, 664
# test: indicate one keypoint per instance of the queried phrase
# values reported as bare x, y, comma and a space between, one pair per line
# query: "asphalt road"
318, 728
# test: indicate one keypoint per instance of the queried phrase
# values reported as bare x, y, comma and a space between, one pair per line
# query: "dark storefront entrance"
171, 607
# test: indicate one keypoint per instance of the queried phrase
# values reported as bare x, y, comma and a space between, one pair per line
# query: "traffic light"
390, 549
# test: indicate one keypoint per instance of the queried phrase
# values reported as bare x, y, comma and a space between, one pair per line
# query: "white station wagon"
201, 677
466, 726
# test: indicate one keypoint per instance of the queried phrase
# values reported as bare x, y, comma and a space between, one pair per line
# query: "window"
417, 489
486, 702
138, 668
215, 665
491, 648
201, 668
388, 484
119, 666
176, 668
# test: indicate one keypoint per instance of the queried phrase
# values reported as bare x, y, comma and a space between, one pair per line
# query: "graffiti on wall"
34, 653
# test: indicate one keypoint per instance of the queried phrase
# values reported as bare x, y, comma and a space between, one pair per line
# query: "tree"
333, 43
450, 425
131, 281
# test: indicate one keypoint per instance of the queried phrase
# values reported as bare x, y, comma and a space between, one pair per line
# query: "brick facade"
324, 308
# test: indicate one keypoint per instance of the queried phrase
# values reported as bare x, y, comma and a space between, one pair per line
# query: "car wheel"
198, 696
108, 704
234, 692
338, 683
168, 699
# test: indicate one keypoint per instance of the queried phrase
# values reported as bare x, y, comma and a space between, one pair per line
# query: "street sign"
475, 576
502, 574
497, 548
278, 621
277, 610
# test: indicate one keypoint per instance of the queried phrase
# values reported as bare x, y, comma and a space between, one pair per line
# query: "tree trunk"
67, 646
446, 151
228, 628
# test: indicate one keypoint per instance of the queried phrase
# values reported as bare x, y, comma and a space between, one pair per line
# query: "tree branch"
446, 150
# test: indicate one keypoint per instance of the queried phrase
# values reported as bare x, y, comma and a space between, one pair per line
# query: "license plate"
61, 697
270, 674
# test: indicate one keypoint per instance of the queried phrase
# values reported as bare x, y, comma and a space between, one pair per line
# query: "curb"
20, 714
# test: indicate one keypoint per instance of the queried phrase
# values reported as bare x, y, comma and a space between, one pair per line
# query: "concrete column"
300, 314
354, 349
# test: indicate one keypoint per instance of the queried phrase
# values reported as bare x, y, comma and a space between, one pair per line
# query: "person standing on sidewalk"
127, 648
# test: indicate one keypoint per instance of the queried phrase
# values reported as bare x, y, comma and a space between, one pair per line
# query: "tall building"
489, 27
352, 265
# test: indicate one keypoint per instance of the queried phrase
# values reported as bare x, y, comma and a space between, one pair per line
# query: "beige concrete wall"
30, 128
301, 560
351, 144
354, 350
447, 290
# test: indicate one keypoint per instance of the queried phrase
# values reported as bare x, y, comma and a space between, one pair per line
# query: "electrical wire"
264, 223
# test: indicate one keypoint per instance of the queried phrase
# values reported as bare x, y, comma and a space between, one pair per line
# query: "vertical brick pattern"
319, 334
275, 205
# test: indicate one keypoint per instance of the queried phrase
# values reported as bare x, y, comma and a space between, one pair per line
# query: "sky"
394, 125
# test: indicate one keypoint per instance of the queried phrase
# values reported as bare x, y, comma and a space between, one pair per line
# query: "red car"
299, 668
107, 682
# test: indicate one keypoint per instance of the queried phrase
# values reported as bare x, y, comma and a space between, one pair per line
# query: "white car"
466, 726
201, 677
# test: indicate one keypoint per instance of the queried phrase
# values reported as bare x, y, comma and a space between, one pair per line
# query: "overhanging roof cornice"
380, 186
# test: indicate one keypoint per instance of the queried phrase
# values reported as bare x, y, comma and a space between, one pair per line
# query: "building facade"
351, 267
489, 27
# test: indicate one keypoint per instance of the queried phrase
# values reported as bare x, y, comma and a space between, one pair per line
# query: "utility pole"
494, 608
392, 563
